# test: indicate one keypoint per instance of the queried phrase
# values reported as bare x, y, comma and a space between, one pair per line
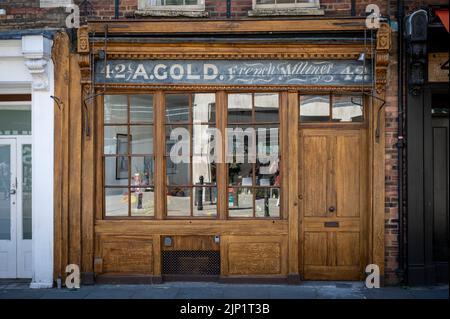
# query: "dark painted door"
440, 197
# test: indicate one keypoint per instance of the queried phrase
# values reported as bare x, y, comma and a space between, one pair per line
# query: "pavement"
201, 290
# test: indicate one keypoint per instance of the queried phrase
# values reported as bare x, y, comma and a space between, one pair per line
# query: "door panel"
332, 174
7, 208
347, 176
315, 175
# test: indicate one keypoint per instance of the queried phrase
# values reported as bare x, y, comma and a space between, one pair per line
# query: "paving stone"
186, 290
156, 293
292, 292
200, 293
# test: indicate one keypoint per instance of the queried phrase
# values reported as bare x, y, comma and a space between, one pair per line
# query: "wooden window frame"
330, 123
255, 187
190, 124
314, 4
129, 155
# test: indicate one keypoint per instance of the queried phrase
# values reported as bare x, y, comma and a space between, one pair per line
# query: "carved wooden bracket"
84, 62
382, 57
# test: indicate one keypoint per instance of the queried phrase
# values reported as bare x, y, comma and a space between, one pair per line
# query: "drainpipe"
116, 9
402, 259
228, 9
353, 8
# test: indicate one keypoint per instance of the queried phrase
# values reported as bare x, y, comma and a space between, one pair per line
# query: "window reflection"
178, 201
116, 202
177, 108
141, 109
240, 202
347, 108
266, 107
204, 107
239, 108
314, 108
116, 109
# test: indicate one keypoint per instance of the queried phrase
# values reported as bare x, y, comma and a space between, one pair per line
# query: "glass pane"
141, 139
266, 107
174, 2
116, 140
15, 119
116, 171
204, 107
141, 109
181, 143
204, 173
265, 1
178, 201
142, 171
240, 202
190, 2
267, 164
202, 140
347, 108
177, 174
314, 108
241, 144
26, 191
239, 108
5, 186
240, 174
116, 109
267, 202
116, 202
205, 201
177, 108
142, 202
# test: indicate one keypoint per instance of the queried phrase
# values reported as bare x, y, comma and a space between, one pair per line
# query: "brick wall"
26, 14
391, 172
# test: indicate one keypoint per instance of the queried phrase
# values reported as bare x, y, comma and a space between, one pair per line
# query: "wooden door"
333, 197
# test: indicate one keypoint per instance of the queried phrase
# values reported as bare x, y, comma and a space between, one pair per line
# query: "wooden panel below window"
131, 255
254, 255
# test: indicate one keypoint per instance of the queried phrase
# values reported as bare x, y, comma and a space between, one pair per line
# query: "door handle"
12, 192
332, 209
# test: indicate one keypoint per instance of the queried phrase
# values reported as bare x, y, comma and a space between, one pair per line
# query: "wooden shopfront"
125, 211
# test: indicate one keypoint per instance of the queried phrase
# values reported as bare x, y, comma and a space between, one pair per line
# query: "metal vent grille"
190, 262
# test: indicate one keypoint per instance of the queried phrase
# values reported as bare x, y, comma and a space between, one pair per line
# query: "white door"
8, 208
15, 207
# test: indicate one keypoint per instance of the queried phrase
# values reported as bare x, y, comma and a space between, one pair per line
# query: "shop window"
191, 185
128, 156
172, 5
282, 4
336, 108
253, 155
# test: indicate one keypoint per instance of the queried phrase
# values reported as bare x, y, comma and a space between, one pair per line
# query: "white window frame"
310, 4
146, 5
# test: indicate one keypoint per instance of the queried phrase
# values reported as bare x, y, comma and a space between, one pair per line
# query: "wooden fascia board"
225, 26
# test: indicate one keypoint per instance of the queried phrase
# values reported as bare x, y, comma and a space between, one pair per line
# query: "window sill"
172, 13
286, 12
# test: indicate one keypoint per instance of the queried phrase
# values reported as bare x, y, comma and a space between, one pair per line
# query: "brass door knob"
332, 209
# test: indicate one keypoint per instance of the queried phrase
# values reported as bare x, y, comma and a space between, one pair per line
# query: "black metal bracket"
58, 101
